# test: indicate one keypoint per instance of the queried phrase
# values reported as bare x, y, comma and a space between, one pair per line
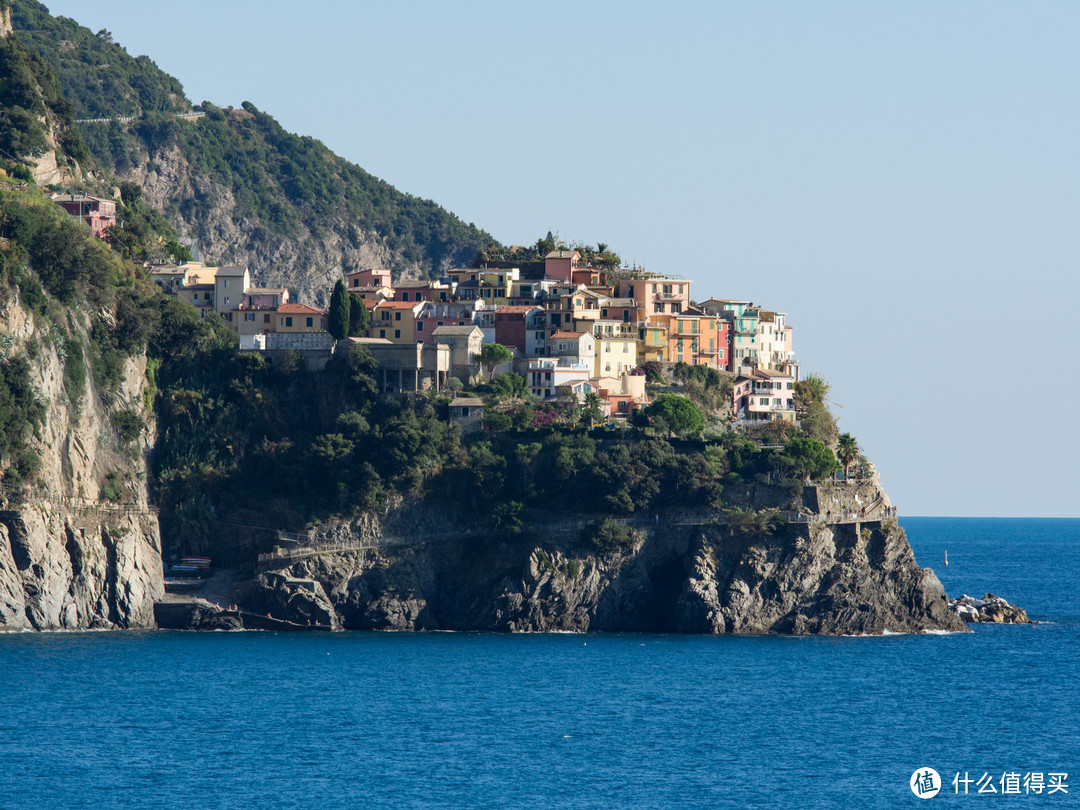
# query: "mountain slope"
233, 181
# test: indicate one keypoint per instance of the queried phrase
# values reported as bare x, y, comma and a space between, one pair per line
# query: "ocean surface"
262, 720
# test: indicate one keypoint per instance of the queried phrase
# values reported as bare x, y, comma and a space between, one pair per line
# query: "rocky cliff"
840, 578
307, 263
69, 557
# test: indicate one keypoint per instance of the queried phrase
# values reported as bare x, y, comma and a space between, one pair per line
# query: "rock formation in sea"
990, 608
680, 573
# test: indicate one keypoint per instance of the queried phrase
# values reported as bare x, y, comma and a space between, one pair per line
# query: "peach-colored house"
657, 296
367, 278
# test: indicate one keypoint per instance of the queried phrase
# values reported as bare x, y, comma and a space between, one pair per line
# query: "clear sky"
901, 178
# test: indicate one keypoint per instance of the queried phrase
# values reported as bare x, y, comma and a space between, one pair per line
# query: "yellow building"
395, 320
615, 355
653, 342
300, 318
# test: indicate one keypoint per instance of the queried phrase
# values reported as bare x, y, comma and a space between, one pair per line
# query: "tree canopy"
676, 414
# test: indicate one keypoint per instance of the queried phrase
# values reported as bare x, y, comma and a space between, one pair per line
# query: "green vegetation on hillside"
280, 180
30, 91
98, 77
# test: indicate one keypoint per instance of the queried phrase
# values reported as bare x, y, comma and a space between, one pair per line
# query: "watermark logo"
925, 783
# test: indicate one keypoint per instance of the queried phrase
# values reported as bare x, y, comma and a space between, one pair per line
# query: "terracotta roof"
562, 254
568, 335
299, 309
399, 304
518, 308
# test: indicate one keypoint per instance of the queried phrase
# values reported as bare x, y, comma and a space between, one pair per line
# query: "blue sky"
902, 179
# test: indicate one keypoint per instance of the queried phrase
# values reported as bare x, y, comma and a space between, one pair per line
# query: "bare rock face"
68, 558
61, 572
305, 262
820, 578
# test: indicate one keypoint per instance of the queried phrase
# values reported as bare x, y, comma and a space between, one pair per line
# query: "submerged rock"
990, 608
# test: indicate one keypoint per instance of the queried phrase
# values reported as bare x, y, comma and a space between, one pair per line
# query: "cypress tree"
339, 311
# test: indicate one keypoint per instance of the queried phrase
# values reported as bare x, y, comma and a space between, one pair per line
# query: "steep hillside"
233, 181
79, 545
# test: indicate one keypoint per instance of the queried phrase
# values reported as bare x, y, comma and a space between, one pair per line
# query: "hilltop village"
570, 329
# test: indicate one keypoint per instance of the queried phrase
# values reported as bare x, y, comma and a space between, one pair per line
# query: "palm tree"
847, 449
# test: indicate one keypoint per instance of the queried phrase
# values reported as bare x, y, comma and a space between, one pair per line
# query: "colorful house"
560, 264
396, 321
300, 318
657, 295
522, 328
96, 213
616, 353
367, 278
762, 395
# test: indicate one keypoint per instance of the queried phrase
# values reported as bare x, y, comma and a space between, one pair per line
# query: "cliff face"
306, 263
842, 578
68, 559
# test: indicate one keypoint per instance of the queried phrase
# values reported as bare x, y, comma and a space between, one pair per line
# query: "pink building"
264, 297
97, 213
367, 278
560, 264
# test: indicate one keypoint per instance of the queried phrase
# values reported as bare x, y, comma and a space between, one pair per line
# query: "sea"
463, 720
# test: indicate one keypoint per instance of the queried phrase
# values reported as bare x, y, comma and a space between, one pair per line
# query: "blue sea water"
186, 720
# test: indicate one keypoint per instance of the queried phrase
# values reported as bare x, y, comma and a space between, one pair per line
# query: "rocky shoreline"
990, 608
821, 578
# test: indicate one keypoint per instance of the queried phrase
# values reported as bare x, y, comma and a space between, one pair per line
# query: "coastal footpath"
678, 573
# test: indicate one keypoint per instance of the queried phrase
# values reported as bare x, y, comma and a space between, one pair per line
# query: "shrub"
608, 536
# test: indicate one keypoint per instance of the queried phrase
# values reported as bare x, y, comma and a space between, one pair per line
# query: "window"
397, 316
288, 321
228, 317
249, 316
397, 333
438, 323
356, 282
657, 307
607, 348
310, 322
266, 319
419, 326
382, 333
